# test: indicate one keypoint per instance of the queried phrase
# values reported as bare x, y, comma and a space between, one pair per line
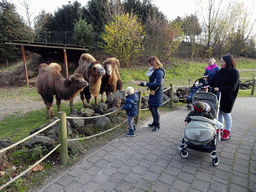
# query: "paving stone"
156, 169
161, 162
139, 170
150, 176
76, 172
124, 187
90, 186
108, 186
85, 165
132, 178
117, 177
145, 163
124, 169
172, 170
187, 177
143, 185
239, 181
54, 188
217, 186
93, 170
94, 159
181, 185
109, 170
151, 157
65, 180
74, 187
237, 188
138, 157
200, 185
83, 178
167, 179
101, 153
100, 178
203, 176
159, 186
116, 163
131, 162
241, 169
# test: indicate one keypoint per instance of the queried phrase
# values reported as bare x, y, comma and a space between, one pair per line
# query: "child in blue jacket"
131, 108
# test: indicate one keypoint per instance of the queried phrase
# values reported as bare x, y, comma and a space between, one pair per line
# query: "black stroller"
200, 132
197, 87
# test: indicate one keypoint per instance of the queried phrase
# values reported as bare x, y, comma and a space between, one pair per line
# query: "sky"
170, 8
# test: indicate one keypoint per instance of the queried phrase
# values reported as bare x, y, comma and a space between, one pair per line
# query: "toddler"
131, 109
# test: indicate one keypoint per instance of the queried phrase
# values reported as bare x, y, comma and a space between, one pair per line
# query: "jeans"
130, 122
228, 119
155, 113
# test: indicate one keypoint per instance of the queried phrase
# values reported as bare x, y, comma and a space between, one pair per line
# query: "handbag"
153, 92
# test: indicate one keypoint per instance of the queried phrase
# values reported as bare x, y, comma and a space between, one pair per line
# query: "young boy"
131, 109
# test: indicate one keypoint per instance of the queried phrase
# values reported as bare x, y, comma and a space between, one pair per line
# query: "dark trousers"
155, 113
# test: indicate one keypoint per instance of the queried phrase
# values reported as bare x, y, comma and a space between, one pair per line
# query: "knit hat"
199, 106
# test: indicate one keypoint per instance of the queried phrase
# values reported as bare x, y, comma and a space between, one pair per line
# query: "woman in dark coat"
156, 82
227, 82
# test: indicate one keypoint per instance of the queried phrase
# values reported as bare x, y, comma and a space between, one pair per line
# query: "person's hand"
216, 89
205, 76
143, 84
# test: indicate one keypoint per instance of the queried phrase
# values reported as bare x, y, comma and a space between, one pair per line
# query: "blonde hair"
154, 61
212, 60
129, 90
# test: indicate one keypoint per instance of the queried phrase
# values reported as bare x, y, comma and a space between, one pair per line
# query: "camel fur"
93, 74
50, 82
86, 59
111, 81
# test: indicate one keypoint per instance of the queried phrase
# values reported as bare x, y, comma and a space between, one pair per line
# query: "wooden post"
139, 106
66, 62
253, 84
171, 95
63, 137
25, 64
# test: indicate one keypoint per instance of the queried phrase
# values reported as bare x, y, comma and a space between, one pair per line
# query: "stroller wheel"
188, 107
184, 153
215, 161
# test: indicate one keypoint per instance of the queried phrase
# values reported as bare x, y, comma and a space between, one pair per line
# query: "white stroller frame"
214, 101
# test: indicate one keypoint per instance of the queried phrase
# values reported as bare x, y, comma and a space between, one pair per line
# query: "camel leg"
71, 106
102, 94
96, 100
49, 111
82, 97
58, 102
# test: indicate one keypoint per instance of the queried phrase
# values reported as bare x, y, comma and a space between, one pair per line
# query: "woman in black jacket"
227, 82
155, 84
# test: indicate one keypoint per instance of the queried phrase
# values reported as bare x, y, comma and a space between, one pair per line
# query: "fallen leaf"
38, 168
2, 173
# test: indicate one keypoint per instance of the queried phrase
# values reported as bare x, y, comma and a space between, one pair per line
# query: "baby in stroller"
202, 109
200, 132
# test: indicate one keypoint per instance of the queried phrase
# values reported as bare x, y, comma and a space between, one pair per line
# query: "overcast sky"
171, 8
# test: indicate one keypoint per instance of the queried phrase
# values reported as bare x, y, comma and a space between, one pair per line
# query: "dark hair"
230, 61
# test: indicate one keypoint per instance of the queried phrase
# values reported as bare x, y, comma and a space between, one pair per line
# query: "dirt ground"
22, 106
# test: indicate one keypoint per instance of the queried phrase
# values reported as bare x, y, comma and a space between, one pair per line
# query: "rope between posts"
68, 117
27, 170
17, 143
88, 137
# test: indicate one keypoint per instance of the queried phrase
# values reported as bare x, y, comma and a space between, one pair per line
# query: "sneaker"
130, 134
226, 135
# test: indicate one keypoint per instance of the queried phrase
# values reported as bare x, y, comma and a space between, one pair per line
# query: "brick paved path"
151, 161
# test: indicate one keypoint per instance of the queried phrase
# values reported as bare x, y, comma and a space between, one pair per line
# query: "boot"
152, 124
156, 128
130, 134
226, 135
